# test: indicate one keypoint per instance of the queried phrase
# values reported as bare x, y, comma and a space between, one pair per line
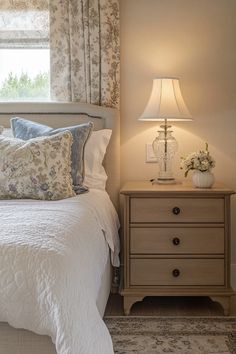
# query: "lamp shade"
166, 102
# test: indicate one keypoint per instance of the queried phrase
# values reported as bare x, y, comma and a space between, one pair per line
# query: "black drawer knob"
176, 210
176, 241
175, 273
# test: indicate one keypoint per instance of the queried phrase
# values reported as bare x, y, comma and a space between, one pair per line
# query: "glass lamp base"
164, 148
165, 181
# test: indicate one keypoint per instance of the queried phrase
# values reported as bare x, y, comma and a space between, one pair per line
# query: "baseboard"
233, 276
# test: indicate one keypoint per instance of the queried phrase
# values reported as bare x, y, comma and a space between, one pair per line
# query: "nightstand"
176, 242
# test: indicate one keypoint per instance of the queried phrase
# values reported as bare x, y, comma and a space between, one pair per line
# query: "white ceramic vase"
203, 179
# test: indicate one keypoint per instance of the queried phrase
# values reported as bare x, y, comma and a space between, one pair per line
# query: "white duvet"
52, 255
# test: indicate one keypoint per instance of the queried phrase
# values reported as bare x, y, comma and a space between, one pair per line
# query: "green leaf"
24, 87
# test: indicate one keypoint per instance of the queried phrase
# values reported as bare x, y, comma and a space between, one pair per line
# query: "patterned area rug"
178, 335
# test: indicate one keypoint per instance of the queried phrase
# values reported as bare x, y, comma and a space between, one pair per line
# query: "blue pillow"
25, 129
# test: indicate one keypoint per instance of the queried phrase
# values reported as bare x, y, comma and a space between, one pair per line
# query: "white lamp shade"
166, 102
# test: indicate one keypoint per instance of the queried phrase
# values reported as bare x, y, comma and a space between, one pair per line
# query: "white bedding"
52, 255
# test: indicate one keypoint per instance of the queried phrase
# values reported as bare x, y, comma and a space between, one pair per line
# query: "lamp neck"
165, 126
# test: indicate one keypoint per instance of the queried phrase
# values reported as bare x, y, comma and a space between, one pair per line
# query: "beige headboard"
65, 114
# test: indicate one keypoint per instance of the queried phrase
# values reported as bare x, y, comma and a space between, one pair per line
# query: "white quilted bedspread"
52, 255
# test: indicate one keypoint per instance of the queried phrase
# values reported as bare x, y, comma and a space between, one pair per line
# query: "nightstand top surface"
136, 187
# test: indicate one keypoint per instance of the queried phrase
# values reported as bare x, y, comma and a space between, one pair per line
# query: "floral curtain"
85, 55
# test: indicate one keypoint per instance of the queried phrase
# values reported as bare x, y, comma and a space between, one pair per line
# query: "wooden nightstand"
176, 242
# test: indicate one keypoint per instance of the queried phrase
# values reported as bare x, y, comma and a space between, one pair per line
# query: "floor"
165, 306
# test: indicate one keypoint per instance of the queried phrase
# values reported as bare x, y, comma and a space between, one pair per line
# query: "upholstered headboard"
66, 114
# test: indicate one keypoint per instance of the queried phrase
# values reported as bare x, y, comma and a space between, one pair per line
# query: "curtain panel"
85, 51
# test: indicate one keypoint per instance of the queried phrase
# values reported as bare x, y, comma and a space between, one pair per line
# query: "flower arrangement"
201, 161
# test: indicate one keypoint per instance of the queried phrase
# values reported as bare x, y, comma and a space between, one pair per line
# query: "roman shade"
24, 24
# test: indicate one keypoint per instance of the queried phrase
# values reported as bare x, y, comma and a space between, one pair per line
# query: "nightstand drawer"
178, 240
166, 210
192, 272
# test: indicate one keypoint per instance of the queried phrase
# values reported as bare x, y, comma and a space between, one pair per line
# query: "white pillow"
95, 149
7, 132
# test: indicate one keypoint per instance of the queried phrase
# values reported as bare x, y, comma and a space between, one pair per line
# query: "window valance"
24, 24
24, 5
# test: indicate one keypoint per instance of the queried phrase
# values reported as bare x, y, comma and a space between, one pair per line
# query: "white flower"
201, 161
196, 163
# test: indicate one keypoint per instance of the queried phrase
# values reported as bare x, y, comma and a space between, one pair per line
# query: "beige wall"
194, 40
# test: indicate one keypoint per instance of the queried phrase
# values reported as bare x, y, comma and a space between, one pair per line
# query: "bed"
64, 237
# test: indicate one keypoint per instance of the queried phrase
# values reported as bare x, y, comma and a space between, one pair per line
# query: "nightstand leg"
129, 301
224, 301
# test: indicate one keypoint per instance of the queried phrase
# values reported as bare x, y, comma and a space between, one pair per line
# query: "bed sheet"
52, 256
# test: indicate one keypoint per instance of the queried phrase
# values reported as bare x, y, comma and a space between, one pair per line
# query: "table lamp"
165, 104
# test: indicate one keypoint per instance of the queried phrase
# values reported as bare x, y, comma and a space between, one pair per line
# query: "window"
24, 50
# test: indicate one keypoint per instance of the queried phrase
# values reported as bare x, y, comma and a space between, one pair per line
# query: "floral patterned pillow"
25, 129
39, 168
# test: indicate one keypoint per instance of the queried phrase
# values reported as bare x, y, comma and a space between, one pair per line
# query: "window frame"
31, 37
